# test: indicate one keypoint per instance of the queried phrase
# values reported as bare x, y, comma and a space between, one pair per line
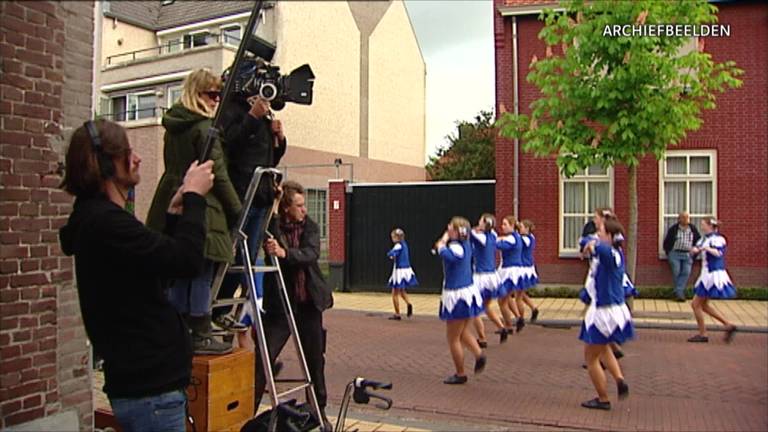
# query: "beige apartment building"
369, 93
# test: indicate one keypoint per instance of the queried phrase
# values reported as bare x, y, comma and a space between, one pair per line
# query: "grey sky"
456, 39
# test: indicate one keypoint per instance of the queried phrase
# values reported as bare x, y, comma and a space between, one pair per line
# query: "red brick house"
720, 169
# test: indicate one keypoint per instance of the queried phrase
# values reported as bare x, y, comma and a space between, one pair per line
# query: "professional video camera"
256, 76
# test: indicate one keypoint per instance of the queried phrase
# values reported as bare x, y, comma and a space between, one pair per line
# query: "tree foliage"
470, 152
607, 100
611, 100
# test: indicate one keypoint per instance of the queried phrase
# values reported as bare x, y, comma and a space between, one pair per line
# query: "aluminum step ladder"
248, 269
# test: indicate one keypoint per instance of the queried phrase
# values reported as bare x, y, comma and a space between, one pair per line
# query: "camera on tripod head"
256, 76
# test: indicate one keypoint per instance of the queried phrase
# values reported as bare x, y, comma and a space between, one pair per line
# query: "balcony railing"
136, 114
172, 48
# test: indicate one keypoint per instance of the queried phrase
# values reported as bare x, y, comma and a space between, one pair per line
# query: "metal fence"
422, 210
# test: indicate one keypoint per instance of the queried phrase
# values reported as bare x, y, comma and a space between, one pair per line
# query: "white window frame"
563, 252
169, 100
192, 40
323, 224
688, 178
228, 26
177, 41
137, 95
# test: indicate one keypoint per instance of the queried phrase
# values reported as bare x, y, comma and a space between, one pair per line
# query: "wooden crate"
221, 393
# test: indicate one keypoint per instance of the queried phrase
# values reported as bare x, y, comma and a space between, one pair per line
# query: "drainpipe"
516, 103
98, 16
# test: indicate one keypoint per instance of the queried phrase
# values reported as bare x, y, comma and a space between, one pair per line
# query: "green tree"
612, 100
470, 152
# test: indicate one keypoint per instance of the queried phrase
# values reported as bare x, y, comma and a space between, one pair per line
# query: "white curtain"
676, 165
573, 197
701, 198
572, 226
700, 165
598, 195
674, 198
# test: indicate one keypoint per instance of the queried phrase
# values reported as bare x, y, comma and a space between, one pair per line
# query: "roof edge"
128, 20
527, 9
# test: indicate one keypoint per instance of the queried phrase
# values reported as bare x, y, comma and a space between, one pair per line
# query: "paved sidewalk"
749, 315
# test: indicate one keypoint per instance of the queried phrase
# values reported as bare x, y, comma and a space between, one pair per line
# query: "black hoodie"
120, 267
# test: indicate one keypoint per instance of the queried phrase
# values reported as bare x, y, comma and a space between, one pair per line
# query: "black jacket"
120, 267
671, 237
303, 258
249, 143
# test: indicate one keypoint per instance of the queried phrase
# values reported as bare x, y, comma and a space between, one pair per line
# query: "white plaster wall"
397, 91
324, 35
133, 38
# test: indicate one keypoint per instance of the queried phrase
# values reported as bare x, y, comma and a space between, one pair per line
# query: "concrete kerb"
650, 325
554, 323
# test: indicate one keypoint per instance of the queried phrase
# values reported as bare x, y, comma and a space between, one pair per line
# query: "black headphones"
106, 166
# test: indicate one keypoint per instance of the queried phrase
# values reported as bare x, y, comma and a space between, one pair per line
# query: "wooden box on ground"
221, 392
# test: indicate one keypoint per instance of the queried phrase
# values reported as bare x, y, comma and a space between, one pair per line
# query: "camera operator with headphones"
121, 267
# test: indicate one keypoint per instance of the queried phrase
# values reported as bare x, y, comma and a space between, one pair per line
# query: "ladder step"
295, 389
230, 302
256, 269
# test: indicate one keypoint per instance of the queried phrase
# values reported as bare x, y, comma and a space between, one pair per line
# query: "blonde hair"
712, 221
489, 222
398, 233
461, 225
199, 81
512, 221
529, 225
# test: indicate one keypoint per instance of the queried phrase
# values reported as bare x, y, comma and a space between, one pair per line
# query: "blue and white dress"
484, 253
402, 274
460, 299
531, 278
629, 287
713, 282
607, 318
511, 271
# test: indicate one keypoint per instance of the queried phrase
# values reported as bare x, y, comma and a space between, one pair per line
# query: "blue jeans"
252, 229
163, 413
680, 262
193, 296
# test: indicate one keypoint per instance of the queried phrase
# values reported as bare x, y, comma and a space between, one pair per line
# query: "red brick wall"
337, 221
737, 129
45, 88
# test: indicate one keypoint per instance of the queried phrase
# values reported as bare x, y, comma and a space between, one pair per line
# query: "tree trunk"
632, 229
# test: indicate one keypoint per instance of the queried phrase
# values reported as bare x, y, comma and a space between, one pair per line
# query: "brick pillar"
45, 87
337, 233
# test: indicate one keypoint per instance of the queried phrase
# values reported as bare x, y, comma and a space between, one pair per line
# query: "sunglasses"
215, 95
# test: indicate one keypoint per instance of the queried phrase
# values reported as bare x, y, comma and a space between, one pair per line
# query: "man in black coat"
296, 244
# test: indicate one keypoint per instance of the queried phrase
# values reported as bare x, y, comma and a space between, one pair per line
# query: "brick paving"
536, 379
535, 382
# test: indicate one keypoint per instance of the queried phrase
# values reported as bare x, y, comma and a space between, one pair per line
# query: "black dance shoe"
534, 315
480, 364
623, 389
729, 334
520, 324
455, 379
698, 338
596, 404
